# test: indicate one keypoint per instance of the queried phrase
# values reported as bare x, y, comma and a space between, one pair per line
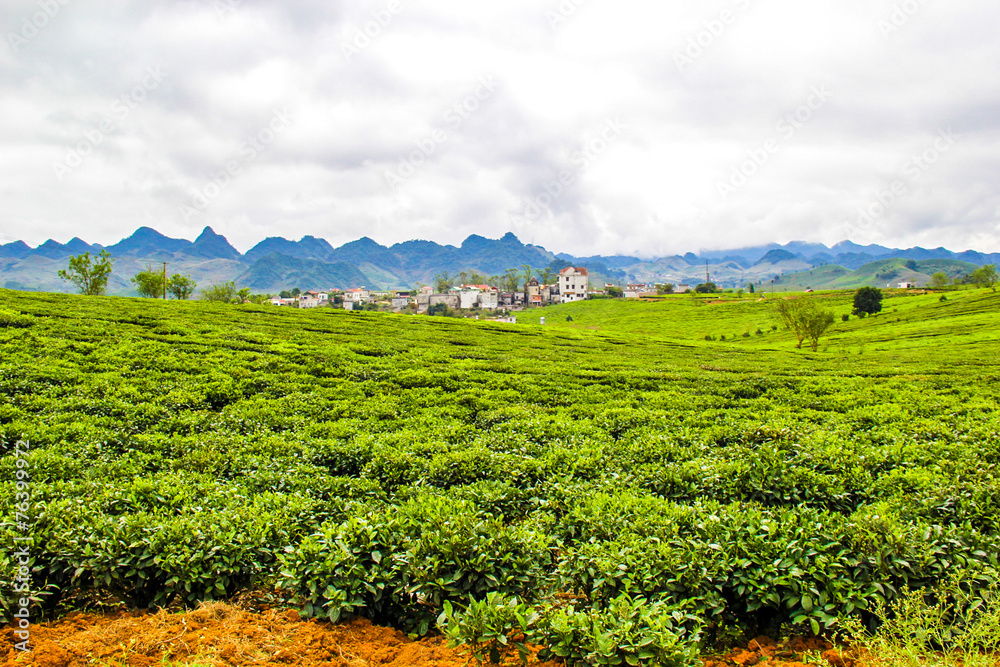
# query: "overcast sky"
585, 126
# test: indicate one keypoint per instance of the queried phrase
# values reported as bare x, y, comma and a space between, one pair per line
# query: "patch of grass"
954, 624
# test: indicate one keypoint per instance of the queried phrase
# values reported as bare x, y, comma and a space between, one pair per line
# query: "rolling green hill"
882, 273
909, 319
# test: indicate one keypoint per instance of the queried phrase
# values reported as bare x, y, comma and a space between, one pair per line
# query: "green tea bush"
628, 631
11, 319
400, 566
490, 629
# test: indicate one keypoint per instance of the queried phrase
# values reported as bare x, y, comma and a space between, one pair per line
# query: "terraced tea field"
618, 474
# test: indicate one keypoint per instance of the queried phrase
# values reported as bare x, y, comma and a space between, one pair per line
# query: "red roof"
579, 269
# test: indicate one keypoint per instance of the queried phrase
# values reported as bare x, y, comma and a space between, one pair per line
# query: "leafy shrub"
9, 318
490, 629
633, 631
399, 566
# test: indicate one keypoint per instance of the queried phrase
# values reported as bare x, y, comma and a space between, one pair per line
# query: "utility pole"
164, 281
707, 278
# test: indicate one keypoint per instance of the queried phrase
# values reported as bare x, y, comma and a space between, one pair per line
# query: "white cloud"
654, 190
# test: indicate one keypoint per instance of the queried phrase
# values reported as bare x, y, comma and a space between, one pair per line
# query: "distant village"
572, 284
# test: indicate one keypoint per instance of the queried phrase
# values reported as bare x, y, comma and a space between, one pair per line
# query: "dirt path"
221, 634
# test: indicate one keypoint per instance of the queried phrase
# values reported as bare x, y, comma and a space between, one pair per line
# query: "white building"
468, 297
359, 295
489, 300
307, 301
574, 283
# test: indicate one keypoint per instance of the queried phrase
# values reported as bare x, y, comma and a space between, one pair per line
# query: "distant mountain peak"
776, 255
212, 245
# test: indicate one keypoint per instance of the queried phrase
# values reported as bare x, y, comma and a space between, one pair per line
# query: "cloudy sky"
586, 126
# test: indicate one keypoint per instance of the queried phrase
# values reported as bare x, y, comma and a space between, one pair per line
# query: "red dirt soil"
220, 634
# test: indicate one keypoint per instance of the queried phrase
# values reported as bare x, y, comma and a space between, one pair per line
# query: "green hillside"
882, 273
383, 465
908, 319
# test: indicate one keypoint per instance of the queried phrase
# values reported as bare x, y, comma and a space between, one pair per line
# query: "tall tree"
939, 280
89, 275
443, 282
805, 319
868, 300
148, 283
984, 276
512, 280
182, 287
224, 293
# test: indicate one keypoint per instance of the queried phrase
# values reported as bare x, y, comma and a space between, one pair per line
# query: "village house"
489, 300
357, 295
511, 300
636, 290
483, 296
536, 294
574, 284
449, 299
400, 302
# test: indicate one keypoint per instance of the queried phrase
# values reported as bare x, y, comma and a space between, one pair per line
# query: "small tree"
89, 276
614, 292
148, 283
867, 300
707, 288
805, 319
526, 272
182, 287
665, 288
939, 280
244, 295
751, 288
510, 280
224, 293
443, 282
984, 276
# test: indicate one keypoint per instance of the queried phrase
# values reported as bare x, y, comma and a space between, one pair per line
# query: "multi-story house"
574, 284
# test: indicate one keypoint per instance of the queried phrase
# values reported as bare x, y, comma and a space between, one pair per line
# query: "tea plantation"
628, 487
